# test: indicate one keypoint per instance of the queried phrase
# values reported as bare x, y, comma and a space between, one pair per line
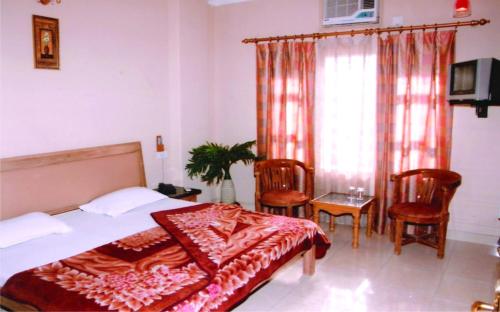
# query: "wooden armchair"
278, 185
434, 191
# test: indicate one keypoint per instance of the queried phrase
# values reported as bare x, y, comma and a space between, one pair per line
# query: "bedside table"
182, 193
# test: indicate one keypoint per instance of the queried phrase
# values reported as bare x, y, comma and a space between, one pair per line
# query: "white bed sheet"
89, 231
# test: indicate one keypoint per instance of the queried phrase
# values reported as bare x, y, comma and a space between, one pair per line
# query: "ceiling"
224, 2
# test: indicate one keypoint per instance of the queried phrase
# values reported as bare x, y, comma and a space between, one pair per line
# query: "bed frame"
61, 181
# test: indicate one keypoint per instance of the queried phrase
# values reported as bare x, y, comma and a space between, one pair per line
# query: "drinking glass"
352, 192
360, 191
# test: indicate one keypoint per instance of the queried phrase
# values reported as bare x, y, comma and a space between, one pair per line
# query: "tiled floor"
372, 278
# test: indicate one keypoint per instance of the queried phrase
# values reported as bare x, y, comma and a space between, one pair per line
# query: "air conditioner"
341, 12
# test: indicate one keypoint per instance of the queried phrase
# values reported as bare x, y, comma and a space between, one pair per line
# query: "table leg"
332, 223
370, 219
316, 214
355, 230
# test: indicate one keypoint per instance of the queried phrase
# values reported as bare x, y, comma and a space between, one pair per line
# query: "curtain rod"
368, 31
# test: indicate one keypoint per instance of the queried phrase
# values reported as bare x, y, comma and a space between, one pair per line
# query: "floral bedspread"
202, 258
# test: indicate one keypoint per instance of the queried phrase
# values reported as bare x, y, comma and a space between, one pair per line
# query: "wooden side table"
184, 194
338, 204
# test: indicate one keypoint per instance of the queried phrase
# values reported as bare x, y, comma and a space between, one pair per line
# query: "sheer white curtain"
345, 114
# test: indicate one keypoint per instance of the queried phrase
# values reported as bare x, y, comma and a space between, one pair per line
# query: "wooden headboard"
61, 181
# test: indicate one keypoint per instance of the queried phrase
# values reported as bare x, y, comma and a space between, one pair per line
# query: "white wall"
475, 151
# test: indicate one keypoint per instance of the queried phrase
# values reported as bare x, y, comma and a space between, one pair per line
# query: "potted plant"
212, 162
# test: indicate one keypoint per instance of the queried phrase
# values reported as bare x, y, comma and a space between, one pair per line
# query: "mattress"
89, 231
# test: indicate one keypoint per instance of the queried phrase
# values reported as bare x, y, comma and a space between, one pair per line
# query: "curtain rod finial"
483, 21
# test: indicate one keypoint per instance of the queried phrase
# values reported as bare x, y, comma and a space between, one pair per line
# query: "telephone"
166, 189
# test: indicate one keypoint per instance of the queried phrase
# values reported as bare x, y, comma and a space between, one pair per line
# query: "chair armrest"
396, 194
309, 187
448, 193
395, 177
257, 184
407, 174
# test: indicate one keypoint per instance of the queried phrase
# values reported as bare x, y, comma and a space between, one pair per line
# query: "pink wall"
110, 85
196, 80
126, 74
475, 155
189, 85
131, 70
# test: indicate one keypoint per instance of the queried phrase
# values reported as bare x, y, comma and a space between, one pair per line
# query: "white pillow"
118, 202
29, 226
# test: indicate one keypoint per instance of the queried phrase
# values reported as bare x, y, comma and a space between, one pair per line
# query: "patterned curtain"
413, 117
285, 96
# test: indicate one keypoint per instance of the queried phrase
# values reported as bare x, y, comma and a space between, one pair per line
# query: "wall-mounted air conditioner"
341, 12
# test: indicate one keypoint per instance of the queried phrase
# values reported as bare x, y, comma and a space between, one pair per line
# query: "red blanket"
205, 257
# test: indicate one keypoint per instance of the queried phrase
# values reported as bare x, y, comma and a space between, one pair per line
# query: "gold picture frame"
46, 42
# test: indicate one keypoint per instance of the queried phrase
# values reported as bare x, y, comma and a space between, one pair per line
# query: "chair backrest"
279, 174
434, 187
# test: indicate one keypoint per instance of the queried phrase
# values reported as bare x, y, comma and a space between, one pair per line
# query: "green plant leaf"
212, 162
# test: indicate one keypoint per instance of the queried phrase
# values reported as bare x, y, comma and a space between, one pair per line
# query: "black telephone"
166, 189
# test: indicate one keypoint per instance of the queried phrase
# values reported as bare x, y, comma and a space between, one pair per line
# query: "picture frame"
46, 42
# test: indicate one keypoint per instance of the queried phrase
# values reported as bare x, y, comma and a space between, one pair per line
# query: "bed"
204, 256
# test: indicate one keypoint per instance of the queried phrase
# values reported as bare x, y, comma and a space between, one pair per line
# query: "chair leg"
392, 230
258, 206
308, 211
442, 238
399, 236
289, 211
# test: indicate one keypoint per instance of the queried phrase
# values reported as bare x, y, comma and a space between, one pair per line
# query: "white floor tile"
372, 278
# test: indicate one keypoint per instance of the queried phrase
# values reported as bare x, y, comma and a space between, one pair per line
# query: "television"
475, 82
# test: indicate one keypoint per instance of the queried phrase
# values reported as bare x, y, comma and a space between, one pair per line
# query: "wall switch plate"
162, 155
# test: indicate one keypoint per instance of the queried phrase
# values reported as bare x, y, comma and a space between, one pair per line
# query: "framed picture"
46, 42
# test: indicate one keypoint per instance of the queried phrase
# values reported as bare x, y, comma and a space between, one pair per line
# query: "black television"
475, 82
